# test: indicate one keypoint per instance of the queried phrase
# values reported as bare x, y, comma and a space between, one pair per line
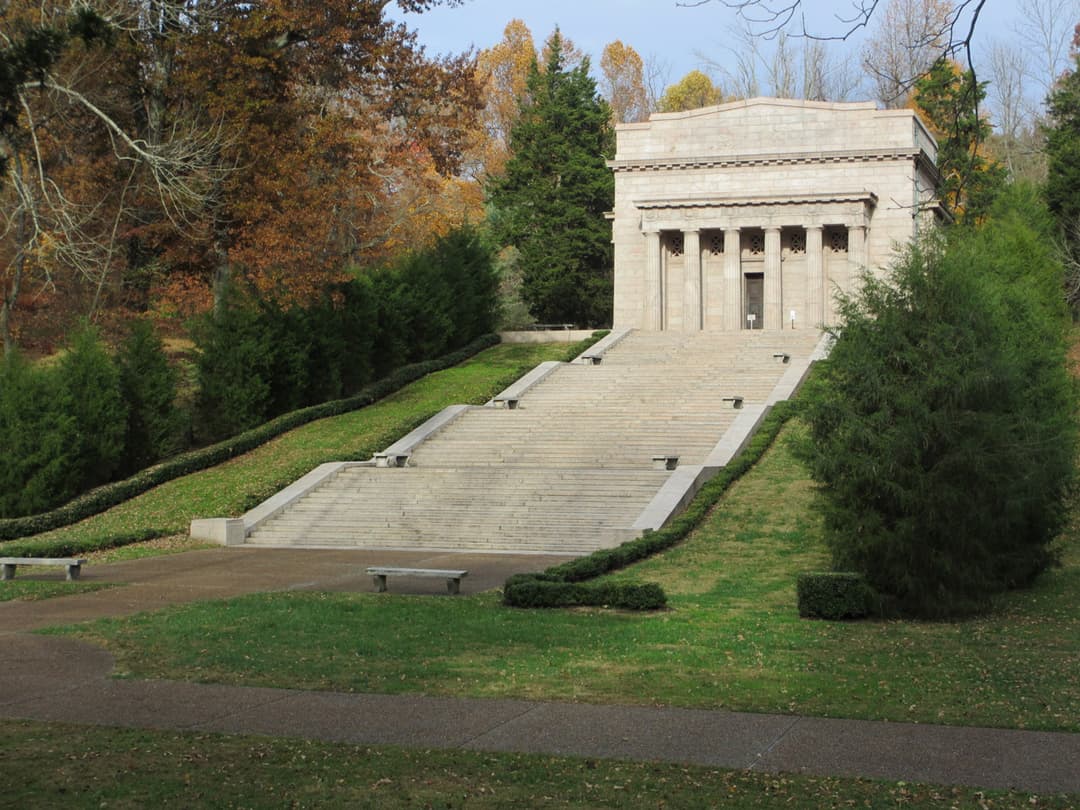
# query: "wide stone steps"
480, 509
568, 470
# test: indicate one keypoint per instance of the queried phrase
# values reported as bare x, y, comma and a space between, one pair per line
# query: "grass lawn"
237, 485
53, 765
31, 590
732, 637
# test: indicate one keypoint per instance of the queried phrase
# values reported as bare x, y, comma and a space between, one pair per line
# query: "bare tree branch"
767, 19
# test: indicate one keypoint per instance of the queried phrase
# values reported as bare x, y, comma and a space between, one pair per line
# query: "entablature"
713, 211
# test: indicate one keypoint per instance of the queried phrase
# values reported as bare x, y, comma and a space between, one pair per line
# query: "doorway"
754, 301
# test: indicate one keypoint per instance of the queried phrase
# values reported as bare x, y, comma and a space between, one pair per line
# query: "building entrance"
754, 301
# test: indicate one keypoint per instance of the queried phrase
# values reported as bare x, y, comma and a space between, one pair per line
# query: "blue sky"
673, 35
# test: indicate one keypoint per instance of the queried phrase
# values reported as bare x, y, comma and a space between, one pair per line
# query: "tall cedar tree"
1062, 132
942, 427
1062, 190
550, 204
949, 99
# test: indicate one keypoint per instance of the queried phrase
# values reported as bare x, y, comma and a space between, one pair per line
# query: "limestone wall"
754, 165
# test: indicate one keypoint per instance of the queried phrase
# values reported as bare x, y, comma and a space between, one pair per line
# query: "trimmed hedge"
834, 595
67, 547
552, 588
543, 590
109, 495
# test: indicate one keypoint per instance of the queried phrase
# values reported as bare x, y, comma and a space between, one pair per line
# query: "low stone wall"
546, 336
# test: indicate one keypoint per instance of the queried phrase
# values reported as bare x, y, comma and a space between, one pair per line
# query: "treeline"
95, 415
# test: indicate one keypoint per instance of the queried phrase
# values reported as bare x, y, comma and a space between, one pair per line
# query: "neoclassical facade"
752, 214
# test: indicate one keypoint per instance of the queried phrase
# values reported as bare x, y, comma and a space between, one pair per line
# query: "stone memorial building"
752, 214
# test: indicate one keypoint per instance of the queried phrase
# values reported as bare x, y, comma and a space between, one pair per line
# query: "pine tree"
550, 204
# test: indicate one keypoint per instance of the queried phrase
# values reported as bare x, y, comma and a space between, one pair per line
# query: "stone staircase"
567, 469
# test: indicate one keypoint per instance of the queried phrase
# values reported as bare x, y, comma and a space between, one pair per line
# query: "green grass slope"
732, 637
237, 485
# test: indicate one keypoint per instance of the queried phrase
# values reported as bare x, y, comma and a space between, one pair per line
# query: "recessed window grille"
797, 242
838, 241
675, 244
757, 244
716, 244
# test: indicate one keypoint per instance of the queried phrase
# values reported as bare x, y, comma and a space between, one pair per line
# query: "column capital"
691, 230
814, 227
771, 229
650, 229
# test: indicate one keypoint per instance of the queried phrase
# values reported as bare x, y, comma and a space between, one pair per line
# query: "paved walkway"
63, 680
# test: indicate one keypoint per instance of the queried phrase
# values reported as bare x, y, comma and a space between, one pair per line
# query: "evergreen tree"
92, 396
942, 427
236, 358
148, 384
1062, 132
949, 99
550, 204
37, 435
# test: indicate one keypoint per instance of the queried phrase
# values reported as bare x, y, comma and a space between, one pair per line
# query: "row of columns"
693, 305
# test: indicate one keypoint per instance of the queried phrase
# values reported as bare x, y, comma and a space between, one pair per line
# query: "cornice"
770, 159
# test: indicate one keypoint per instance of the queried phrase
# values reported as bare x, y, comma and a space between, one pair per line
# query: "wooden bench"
453, 578
73, 565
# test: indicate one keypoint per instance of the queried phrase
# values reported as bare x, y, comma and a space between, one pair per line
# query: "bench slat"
416, 572
41, 561
9, 564
453, 578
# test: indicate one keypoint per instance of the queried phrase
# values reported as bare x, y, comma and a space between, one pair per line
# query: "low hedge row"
68, 547
545, 590
109, 495
834, 595
551, 587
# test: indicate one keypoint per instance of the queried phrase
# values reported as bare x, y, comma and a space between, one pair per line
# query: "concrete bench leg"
9, 572
453, 585
380, 582
73, 572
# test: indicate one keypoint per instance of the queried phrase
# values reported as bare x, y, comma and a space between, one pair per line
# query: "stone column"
692, 281
856, 251
774, 301
654, 283
732, 280
815, 277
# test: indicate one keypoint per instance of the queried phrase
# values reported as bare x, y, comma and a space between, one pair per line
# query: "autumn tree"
907, 39
220, 141
329, 112
622, 83
692, 91
551, 202
76, 156
948, 98
503, 71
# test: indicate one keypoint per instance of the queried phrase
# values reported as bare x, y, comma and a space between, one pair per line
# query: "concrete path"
63, 680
